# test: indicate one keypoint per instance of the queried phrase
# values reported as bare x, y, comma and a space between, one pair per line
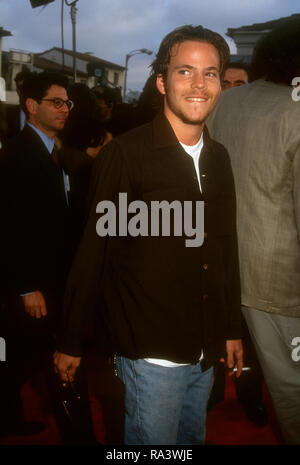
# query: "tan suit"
259, 124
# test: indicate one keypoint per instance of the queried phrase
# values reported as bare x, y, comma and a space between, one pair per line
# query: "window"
116, 79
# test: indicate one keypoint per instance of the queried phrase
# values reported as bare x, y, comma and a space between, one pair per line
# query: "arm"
83, 290
234, 348
93, 151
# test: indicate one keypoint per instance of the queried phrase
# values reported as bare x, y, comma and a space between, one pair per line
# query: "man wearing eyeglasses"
36, 242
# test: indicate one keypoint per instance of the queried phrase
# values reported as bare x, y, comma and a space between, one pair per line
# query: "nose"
199, 80
65, 108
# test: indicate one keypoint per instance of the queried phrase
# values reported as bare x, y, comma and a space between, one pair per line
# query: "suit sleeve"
296, 188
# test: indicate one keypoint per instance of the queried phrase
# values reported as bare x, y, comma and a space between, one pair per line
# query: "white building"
246, 37
114, 74
88, 67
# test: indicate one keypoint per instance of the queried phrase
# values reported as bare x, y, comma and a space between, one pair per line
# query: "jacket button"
205, 266
205, 297
205, 235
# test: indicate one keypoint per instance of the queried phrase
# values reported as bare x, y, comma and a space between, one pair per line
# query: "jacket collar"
164, 136
32, 137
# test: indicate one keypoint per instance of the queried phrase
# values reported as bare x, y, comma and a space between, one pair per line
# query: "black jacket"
152, 296
10, 122
35, 224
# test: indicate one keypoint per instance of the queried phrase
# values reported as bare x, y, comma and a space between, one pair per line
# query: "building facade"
90, 70
246, 37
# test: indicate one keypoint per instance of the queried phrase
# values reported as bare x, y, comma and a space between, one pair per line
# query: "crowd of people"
206, 133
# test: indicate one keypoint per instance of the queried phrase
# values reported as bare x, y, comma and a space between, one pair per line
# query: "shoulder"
127, 146
135, 137
216, 147
20, 149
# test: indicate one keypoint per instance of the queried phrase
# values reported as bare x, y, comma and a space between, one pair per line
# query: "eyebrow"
209, 68
184, 66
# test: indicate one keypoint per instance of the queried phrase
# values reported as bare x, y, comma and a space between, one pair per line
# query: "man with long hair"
168, 311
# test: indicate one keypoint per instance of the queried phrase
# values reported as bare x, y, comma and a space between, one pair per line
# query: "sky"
112, 28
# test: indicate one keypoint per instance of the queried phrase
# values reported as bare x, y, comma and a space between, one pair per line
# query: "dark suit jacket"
35, 235
152, 296
11, 122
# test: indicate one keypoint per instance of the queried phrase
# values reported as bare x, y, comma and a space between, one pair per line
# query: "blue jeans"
164, 405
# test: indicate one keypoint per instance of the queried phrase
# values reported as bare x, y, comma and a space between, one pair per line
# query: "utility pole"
73, 19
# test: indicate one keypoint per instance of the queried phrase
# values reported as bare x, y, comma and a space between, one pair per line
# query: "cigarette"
243, 369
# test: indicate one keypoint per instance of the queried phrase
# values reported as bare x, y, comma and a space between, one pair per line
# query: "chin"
195, 121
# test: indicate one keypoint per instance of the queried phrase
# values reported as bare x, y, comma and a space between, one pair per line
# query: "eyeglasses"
59, 102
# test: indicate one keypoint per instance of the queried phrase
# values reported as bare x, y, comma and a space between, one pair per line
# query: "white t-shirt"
194, 151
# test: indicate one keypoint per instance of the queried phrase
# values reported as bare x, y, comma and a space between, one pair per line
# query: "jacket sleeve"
86, 274
296, 188
232, 270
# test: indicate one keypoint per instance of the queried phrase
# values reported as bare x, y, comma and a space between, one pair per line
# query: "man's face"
105, 109
234, 77
192, 85
45, 116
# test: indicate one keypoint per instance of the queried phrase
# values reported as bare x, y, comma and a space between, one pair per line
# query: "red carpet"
227, 423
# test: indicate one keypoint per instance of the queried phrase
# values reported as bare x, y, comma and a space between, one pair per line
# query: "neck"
48, 133
186, 133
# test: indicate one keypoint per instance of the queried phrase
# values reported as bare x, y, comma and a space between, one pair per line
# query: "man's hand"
93, 151
65, 365
35, 304
234, 349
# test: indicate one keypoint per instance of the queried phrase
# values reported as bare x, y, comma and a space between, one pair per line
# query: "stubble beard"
186, 119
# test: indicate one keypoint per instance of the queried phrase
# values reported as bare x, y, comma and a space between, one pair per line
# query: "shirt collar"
164, 135
194, 149
48, 141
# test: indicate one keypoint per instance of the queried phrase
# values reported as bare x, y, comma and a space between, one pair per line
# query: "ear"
160, 84
31, 106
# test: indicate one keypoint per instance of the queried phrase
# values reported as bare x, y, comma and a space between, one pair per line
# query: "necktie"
62, 177
55, 156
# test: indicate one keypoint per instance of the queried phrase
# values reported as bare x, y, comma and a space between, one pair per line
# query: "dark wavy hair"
276, 57
182, 34
239, 65
36, 85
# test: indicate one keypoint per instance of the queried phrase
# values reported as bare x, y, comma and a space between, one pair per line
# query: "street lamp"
73, 12
72, 4
129, 55
36, 3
